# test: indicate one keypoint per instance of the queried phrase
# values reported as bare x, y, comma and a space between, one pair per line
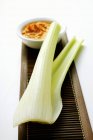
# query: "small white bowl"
35, 43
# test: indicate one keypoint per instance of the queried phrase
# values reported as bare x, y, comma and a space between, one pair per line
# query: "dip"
36, 30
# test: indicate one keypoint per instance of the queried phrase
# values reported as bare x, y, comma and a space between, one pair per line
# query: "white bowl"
35, 43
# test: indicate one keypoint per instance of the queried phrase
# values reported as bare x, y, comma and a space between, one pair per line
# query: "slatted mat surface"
69, 124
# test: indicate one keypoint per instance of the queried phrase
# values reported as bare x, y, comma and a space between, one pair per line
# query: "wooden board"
73, 122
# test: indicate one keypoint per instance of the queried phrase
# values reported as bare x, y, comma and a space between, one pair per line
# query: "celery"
62, 54
35, 104
60, 68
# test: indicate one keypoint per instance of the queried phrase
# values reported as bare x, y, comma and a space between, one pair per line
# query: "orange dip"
36, 30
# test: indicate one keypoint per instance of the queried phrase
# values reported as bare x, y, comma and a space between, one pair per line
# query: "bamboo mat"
73, 122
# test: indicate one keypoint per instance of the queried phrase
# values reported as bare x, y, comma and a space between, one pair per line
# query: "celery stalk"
35, 104
62, 54
60, 68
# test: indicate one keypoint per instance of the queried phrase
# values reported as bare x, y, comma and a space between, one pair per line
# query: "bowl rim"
24, 23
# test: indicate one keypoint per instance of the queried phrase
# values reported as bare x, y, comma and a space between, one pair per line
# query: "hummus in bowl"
36, 30
33, 31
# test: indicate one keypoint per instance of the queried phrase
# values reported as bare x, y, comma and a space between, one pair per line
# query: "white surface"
77, 15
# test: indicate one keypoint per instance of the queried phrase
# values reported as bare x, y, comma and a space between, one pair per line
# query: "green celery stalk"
60, 68
62, 54
35, 104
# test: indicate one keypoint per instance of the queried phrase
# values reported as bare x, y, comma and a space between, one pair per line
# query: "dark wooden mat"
73, 122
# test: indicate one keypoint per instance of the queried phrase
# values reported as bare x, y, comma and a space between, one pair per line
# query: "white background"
78, 18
